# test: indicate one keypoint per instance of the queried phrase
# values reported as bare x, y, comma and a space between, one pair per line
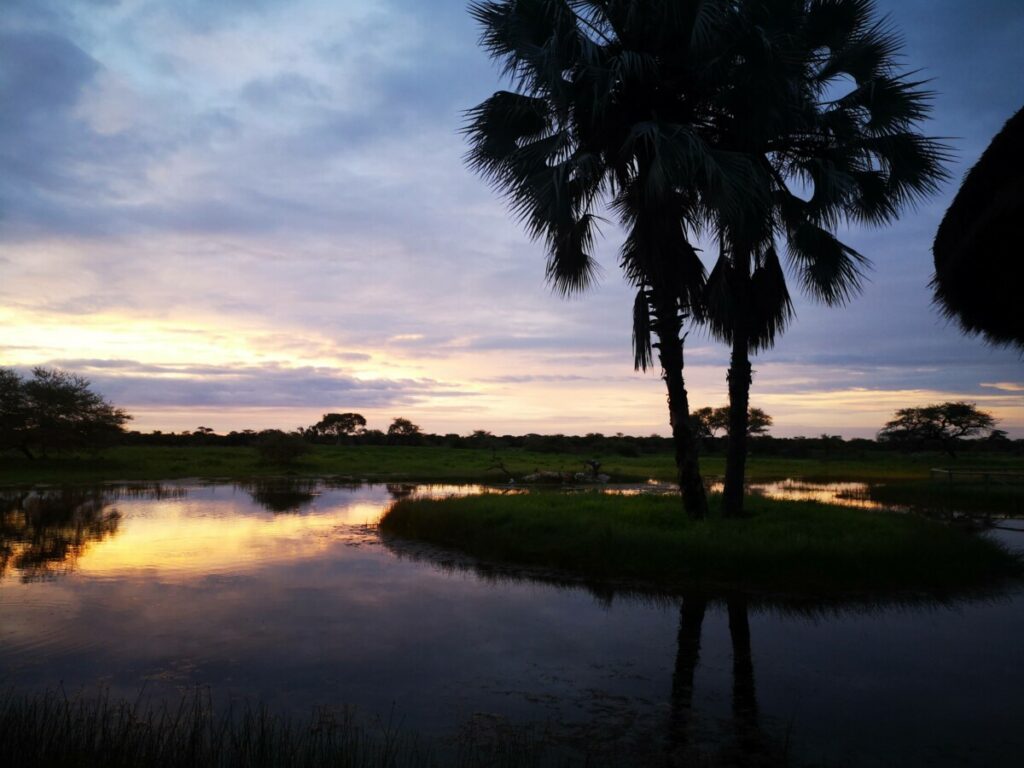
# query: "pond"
286, 594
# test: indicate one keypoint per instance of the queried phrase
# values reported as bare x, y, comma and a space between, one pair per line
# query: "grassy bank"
802, 546
444, 464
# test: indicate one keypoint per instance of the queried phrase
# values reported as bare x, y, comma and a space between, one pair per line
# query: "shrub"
277, 447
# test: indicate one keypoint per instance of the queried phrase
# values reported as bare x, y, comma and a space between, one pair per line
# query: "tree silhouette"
942, 426
55, 410
978, 240
339, 425
610, 102
828, 122
709, 421
404, 432
729, 117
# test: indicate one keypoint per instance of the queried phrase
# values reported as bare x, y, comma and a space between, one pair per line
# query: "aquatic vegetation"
804, 546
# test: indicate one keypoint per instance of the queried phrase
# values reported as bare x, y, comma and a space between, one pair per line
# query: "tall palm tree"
609, 103
821, 111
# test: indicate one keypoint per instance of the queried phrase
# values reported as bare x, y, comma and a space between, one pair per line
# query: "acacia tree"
712, 420
609, 105
55, 410
829, 123
942, 425
402, 431
339, 425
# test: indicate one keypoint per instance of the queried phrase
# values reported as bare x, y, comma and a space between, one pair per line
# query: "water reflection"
401, 491
748, 745
43, 534
691, 622
282, 494
207, 585
841, 494
180, 530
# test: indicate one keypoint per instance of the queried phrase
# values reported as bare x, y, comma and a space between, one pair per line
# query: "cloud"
135, 384
282, 184
1005, 386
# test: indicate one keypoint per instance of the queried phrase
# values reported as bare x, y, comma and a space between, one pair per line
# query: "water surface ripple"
283, 592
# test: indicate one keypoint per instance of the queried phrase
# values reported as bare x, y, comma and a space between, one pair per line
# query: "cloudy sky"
246, 213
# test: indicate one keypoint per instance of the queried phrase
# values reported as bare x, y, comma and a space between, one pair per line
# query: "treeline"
54, 411
822, 446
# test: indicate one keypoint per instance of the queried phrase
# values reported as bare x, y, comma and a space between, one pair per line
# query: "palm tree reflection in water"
750, 745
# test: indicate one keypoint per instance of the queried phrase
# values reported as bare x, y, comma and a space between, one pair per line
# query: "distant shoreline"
442, 464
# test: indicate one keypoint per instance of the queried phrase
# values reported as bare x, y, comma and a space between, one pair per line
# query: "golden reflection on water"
840, 494
854, 495
172, 539
180, 532
426, 491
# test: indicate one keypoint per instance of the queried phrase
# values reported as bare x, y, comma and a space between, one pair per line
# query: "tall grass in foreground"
796, 546
54, 730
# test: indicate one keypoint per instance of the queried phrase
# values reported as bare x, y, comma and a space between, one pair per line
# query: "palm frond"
830, 271
772, 305
915, 164
888, 103
865, 56
642, 356
497, 126
571, 269
831, 22
723, 300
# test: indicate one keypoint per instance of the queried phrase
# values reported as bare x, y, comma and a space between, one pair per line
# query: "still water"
286, 594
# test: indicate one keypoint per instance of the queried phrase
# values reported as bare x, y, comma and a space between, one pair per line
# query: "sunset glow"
244, 217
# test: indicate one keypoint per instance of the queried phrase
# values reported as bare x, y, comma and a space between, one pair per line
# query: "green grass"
444, 464
811, 548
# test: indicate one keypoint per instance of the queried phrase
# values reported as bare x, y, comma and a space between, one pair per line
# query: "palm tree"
820, 110
611, 98
978, 241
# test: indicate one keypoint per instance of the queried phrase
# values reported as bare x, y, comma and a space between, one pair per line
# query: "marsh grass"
811, 548
54, 729
941, 499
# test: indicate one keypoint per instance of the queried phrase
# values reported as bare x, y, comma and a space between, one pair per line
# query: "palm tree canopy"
751, 120
978, 242
819, 106
608, 113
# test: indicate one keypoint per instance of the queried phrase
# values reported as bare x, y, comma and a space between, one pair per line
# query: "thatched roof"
980, 243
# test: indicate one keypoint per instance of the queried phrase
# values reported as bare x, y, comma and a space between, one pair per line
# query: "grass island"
816, 549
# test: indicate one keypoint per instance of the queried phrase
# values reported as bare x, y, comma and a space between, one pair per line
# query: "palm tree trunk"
740, 377
670, 353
